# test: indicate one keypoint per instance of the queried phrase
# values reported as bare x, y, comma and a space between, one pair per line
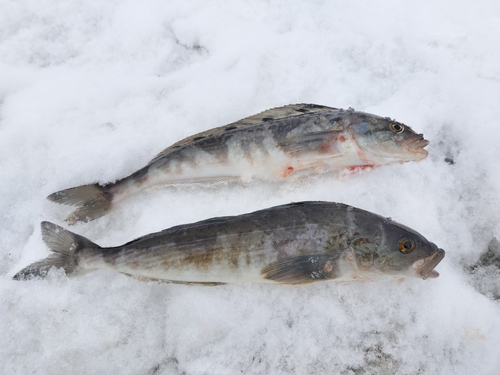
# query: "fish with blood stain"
311, 138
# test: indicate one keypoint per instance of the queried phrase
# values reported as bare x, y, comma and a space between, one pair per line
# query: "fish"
292, 244
280, 144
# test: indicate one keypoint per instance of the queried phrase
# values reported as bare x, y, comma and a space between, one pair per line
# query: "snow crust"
91, 91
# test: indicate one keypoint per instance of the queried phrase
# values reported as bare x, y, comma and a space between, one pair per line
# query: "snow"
91, 91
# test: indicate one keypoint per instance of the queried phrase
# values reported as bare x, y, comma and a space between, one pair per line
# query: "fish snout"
424, 268
417, 145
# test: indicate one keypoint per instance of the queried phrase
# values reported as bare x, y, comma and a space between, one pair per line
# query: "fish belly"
190, 264
263, 160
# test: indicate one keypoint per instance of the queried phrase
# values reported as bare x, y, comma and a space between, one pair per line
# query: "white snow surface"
90, 91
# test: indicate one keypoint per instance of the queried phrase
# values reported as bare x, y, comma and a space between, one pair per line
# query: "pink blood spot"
359, 168
287, 172
328, 267
327, 145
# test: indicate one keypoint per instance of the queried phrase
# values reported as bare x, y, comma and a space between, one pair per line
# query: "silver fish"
279, 144
298, 243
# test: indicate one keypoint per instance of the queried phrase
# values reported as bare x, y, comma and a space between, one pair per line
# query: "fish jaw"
380, 153
417, 148
424, 268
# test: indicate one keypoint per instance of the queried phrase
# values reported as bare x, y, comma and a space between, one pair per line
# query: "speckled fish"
294, 244
278, 144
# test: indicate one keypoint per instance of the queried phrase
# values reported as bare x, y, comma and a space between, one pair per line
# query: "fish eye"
397, 128
406, 245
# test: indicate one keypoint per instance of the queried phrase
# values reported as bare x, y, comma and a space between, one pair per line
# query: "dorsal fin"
290, 110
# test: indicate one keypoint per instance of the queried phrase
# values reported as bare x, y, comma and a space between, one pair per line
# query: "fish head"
384, 141
405, 252
385, 247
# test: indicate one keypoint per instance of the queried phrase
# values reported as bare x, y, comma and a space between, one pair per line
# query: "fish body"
276, 145
298, 243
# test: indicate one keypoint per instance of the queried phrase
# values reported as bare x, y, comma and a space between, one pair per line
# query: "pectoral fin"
320, 143
303, 269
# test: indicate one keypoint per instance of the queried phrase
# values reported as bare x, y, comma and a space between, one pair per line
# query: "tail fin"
93, 201
65, 246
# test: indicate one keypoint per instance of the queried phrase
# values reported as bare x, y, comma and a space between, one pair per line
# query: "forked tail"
92, 201
65, 246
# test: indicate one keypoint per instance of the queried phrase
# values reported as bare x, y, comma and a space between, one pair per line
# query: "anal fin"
151, 279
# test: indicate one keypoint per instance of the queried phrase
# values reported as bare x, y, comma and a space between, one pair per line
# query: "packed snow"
90, 91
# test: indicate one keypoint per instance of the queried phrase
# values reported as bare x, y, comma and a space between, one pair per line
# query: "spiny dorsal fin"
290, 110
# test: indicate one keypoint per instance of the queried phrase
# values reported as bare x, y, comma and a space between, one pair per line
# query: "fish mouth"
417, 147
424, 268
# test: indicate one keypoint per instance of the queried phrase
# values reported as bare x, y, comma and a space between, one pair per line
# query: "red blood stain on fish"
327, 146
287, 172
361, 155
328, 267
359, 168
